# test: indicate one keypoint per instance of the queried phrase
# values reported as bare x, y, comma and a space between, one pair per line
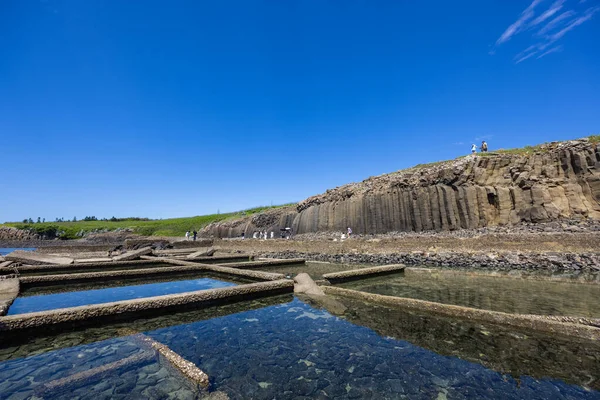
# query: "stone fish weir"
265, 284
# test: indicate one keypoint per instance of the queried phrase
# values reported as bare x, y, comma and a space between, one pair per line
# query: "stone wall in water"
552, 182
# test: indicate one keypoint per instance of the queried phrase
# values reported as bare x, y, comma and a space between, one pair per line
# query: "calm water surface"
522, 296
293, 350
80, 298
145, 377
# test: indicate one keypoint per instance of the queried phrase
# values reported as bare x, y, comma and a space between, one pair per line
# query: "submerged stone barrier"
495, 274
217, 259
533, 322
267, 263
225, 269
133, 254
44, 280
185, 367
342, 276
9, 290
95, 374
108, 265
30, 257
202, 253
151, 305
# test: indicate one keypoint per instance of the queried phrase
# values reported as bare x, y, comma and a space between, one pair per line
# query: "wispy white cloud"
575, 23
555, 22
552, 50
557, 25
554, 8
525, 57
519, 24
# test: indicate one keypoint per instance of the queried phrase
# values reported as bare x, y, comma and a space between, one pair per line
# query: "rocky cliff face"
554, 181
8, 234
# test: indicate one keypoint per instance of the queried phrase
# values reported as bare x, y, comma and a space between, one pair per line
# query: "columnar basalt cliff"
560, 180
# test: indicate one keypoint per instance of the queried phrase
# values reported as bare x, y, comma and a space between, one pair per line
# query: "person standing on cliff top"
187, 235
195, 235
484, 147
349, 231
473, 148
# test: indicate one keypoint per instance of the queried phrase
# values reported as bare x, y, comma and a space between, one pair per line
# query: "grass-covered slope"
162, 227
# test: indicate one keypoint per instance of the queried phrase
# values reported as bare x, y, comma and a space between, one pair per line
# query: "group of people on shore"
189, 235
286, 233
483, 148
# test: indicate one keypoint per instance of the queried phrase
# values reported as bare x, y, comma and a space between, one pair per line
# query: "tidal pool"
512, 295
284, 348
46, 302
295, 350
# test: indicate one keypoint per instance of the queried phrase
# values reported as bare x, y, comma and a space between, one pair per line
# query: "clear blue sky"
162, 109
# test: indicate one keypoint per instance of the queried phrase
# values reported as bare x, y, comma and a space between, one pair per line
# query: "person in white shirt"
473, 149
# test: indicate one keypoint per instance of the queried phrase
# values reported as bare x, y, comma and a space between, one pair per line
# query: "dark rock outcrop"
560, 180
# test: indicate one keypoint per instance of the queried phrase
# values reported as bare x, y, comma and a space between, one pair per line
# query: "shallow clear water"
297, 351
72, 299
314, 269
293, 350
60, 374
5, 250
521, 296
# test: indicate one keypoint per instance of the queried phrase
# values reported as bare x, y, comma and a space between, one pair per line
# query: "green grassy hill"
162, 227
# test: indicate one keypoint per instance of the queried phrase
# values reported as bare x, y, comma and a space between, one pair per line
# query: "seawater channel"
496, 293
290, 347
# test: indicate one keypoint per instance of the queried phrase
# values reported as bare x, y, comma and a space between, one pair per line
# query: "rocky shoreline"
570, 246
545, 262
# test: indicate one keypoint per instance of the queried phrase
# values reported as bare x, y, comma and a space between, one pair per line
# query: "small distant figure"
243, 235
187, 235
349, 232
195, 235
484, 147
272, 234
254, 235
473, 149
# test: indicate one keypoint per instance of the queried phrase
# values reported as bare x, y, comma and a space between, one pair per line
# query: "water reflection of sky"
520, 296
294, 350
5, 250
72, 299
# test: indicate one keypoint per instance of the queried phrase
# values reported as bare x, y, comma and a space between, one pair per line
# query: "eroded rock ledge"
557, 181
